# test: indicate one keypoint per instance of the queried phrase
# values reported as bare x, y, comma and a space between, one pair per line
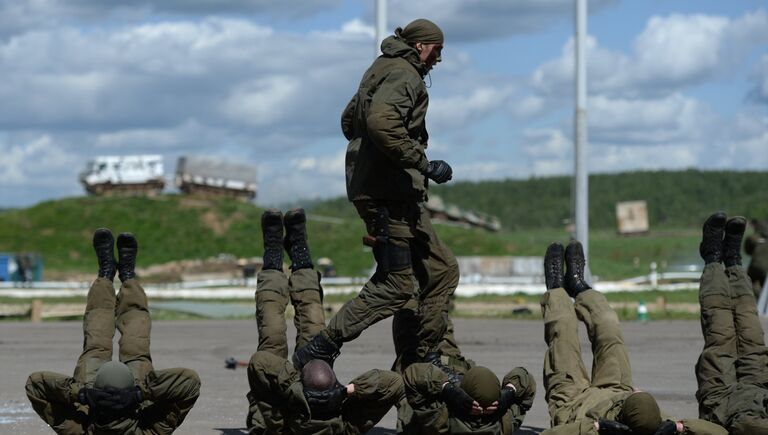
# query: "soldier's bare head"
318, 375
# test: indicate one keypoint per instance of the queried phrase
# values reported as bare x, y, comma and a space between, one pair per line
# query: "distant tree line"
676, 199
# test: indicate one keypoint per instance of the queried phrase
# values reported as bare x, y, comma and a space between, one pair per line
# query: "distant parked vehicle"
129, 175
205, 176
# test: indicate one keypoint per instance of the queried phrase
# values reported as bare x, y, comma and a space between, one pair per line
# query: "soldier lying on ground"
756, 246
105, 396
732, 370
470, 402
608, 404
284, 400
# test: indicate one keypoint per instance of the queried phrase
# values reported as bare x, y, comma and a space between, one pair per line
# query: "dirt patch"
189, 202
218, 224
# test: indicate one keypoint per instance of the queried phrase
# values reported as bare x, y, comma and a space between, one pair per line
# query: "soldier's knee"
270, 296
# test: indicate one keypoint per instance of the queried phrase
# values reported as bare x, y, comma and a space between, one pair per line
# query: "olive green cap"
641, 413
482, 385
114, 374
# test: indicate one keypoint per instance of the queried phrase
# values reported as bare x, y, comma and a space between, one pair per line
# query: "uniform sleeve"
348, 118
702, 427
585, 426
388, 118
380, 385
53, 388
525, 387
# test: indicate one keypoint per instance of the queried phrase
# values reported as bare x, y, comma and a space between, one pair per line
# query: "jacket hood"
393, 46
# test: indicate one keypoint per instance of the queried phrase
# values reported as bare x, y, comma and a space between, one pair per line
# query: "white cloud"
332, 166
262, 102
455, 111
467, 20
759, 79
357, 26
670, 53
33, 160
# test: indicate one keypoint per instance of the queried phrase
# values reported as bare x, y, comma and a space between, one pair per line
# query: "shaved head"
318, 375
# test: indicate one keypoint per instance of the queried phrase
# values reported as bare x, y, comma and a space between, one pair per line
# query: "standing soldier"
756, 245
387, 171
104, 396
732, 370
608, 403
284, 400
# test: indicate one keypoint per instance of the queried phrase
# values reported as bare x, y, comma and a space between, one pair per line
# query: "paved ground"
663, 356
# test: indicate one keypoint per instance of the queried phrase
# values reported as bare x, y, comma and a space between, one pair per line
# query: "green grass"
173, 228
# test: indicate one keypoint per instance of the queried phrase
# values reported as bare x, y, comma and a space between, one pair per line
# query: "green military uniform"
575, 402
277, 391
423, 387
273, 291
756, 246
168, 394
277, 403
732, 370
385, 125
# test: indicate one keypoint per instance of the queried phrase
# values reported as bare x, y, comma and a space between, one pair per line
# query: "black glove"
458, 401
111, 400
669, 427
610, 427
507, 398
326, 404
438, 171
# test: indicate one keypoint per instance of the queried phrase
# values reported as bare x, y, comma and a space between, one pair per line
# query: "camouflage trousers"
273, 292
567, 384
732, 371
430, 279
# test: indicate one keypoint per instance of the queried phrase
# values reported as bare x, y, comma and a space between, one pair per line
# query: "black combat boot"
711, 246
272, 230
295, 241
103, 244
553, 266
127, 249
320, 347
574, 269
734, 232
435, 359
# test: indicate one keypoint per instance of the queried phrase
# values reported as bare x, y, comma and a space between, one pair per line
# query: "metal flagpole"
381, 26
581, 189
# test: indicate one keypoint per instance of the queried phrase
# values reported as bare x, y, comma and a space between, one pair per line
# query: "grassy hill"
175, 227
532, 211
676, 199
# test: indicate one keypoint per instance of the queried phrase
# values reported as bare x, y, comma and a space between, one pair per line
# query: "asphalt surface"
663, 355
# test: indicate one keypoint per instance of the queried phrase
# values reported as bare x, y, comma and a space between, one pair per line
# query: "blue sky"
672, 84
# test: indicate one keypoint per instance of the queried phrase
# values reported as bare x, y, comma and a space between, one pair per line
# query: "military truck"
210, 177
124, 175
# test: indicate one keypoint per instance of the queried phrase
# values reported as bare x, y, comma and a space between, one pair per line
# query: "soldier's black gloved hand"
610, 427
669, 427
108, 399
458, 401
507, 397
326, 404
439, 171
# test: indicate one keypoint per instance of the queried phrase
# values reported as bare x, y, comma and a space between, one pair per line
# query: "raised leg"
98, 331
